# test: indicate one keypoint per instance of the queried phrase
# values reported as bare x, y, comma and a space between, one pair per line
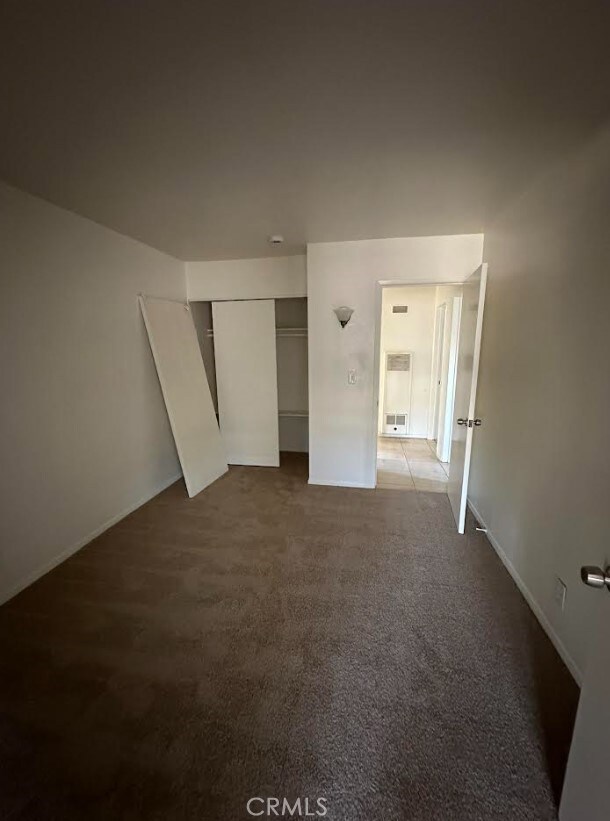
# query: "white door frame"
443, 450
374, 418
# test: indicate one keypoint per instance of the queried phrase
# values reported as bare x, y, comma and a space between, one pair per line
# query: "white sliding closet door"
246, 378
186, 392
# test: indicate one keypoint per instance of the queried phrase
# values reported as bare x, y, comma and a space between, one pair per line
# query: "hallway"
274, 638
410, 464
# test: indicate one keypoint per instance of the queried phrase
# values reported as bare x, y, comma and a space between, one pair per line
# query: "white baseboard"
5, 595
529, 598
333, 483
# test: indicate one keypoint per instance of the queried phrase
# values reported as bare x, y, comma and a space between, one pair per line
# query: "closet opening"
256, 363
292, 374
204, 326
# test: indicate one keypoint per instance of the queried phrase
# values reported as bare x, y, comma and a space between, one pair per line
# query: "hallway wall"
541, 467
85, 436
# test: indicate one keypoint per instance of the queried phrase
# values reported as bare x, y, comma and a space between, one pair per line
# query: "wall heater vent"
397, 394
400, 309
399, 362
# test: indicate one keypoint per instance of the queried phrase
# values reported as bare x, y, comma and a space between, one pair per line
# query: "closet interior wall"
202, 317
292, 379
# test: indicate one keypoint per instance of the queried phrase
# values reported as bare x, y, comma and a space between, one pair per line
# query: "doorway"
418, 339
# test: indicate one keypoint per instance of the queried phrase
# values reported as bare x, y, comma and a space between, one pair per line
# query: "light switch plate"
351, 377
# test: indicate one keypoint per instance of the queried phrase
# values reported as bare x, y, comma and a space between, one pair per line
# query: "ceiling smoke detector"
276, 239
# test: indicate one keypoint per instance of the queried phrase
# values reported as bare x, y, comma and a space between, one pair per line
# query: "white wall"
541, 468
414, 332
85, 436
342, 418
266, 278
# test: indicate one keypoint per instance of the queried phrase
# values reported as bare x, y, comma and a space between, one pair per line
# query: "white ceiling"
202, 127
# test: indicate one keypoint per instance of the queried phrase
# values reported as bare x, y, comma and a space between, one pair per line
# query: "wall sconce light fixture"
344, 314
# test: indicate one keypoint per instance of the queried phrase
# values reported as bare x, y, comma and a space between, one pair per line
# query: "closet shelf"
296, 413
291, 331
281, 332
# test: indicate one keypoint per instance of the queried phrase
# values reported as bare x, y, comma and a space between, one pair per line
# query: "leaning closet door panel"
246, 377
186, 392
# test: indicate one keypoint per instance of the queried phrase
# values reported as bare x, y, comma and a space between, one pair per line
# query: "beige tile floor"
410, 464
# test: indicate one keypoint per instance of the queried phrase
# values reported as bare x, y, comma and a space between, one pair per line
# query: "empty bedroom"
303, 427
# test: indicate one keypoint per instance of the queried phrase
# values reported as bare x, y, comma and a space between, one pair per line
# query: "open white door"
585, 789
246, 379
464, 420
186, 392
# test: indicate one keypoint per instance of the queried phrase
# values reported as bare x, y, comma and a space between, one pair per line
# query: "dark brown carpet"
271, 638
